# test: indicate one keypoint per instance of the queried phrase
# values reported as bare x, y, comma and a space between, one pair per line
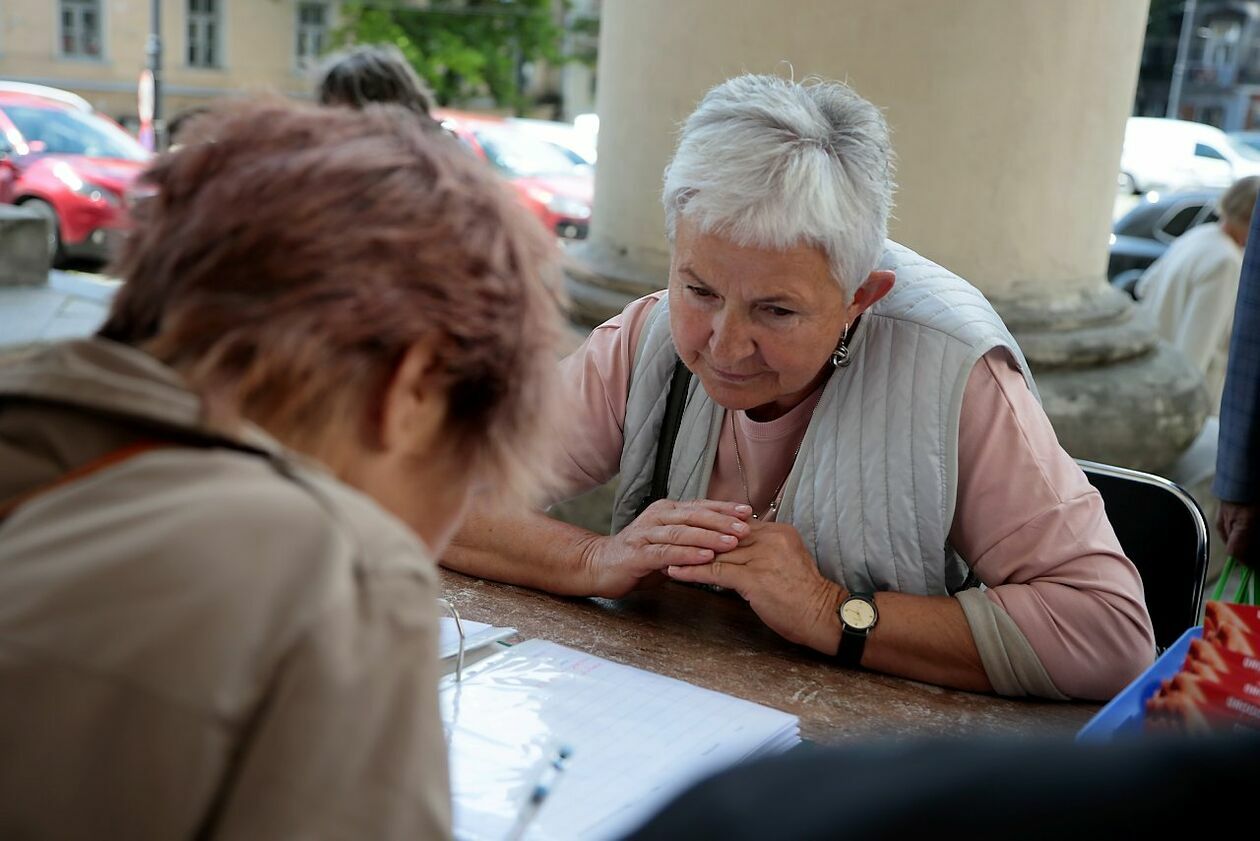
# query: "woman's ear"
877, 284
415, 403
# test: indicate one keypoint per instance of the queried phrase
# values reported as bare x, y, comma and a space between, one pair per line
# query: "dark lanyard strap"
675, 403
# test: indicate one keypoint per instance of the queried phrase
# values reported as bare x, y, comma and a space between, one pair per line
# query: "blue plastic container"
1125, 713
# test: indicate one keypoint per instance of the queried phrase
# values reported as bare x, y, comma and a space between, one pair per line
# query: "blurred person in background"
1037, 789
220, 516
372, 73
1187, 295
175, 135
1237, 481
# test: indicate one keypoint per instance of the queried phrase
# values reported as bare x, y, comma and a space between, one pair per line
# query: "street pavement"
70, 304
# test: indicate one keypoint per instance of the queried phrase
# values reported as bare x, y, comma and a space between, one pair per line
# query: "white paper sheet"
637, 739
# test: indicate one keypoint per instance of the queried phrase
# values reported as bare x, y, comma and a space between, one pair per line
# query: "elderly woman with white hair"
848, 436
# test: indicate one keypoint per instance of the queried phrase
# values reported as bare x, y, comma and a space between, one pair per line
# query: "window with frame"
203, 33
80, 28
1178, 221
312, 30
1202, 150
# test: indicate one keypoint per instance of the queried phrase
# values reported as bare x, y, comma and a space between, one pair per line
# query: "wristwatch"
858, 615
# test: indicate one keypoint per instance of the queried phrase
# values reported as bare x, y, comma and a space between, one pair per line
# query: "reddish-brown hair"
286, 261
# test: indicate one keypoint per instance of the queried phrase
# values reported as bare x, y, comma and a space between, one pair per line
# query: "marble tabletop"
714, 640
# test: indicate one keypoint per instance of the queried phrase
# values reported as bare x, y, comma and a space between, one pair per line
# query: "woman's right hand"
667, 533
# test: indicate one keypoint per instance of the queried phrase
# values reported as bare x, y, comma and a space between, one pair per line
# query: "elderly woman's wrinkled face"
756, 326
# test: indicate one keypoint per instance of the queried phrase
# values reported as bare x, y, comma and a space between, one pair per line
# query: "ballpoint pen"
547, 780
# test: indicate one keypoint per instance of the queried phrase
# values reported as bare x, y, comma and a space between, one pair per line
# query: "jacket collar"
99, 375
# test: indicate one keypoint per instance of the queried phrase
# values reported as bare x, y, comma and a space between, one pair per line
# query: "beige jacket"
212, 641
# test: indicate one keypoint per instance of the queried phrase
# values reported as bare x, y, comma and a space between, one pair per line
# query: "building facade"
1221, 86
211, 48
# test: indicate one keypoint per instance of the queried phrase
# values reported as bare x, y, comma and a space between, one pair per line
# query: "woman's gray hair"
1237, 203
773, 163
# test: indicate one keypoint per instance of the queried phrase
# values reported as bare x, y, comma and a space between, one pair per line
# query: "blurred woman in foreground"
203, 633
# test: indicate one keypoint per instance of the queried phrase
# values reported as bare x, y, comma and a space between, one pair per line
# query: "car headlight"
572, 208
67, 175
96, 192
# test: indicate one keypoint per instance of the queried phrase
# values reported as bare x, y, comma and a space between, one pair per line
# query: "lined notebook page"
637, 738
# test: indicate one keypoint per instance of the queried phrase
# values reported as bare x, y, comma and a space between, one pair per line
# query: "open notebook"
637, 738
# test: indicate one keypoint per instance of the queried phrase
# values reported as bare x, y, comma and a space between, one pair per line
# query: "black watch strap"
852, 644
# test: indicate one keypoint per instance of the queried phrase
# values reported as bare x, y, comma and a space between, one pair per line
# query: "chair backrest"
1162, 530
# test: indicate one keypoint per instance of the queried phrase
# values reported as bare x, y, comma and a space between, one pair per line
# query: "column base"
1114, 392
601, 279
1140, 413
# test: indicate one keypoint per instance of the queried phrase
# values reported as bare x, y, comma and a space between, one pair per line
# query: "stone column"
1008, 118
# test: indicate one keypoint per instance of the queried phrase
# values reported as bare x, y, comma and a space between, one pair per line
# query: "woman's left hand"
774, 572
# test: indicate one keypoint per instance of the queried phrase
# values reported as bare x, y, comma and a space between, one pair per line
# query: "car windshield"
520, 156
74, 133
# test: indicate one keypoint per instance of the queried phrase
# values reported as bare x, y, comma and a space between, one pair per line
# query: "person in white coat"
1187, 295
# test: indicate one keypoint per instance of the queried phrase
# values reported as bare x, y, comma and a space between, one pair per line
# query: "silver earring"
840, 356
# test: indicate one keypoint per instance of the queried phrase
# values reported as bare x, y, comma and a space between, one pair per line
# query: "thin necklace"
778, 493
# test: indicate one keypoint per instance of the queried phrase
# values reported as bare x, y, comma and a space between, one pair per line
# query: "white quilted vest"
873, 488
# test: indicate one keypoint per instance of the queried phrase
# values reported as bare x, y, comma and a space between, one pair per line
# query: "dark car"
1143, 234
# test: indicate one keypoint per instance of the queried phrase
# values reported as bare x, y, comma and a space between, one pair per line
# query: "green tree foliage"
463, 49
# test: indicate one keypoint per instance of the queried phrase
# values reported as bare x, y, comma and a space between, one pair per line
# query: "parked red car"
69, 163
545, 179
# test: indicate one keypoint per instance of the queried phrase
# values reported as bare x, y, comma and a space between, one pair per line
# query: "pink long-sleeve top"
1026, 520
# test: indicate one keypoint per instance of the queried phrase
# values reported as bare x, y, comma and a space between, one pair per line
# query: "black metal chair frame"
1174, 592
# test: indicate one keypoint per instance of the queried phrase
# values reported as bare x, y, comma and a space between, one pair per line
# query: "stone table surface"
714, 640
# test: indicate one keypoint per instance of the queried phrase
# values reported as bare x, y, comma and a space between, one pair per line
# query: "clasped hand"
711, 542
774, 572
667, 534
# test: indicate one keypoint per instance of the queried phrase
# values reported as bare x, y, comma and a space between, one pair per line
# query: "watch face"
858, 613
